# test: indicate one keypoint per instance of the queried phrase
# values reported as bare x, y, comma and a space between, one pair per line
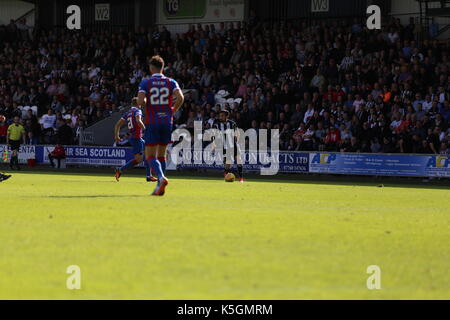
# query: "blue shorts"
137, 145
158, 133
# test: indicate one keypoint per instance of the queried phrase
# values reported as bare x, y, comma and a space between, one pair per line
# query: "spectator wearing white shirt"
427, 104
318, 80
396, 122
393, 36
96, 95
442, 95
48, 122
358, 102
93, 71
309, 113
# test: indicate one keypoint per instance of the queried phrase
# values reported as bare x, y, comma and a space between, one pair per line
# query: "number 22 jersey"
159, 91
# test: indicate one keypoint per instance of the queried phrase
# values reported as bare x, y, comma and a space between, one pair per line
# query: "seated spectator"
59, 153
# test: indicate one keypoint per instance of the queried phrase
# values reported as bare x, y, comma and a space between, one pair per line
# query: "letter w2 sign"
102, 12
320, 5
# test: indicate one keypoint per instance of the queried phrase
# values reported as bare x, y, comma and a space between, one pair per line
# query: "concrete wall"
13, 9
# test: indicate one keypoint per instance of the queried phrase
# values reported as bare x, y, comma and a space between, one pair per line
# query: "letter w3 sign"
102, 12
320, 5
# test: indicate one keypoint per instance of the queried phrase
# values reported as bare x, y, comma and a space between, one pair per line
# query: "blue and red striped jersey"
159, 92
133, 126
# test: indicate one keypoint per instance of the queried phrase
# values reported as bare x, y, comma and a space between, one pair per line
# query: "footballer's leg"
152, 140
165, 135
162, 181
130, 164
226, 169
162, 159
137, 151
151, 152
153, 163
150, 156
239, 163
149, 173
227, 162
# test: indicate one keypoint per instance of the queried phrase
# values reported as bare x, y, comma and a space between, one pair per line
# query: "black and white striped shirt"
223, 127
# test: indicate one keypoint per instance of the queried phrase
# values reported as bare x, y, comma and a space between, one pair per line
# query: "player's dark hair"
134, 102
157, 62
225, 112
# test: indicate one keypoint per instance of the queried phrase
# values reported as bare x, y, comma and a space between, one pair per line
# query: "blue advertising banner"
95, 156
380, 164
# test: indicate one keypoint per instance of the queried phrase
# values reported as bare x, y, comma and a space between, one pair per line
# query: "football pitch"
207, 239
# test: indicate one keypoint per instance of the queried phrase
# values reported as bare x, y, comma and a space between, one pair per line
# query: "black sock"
226, 171
240, 170
16, 160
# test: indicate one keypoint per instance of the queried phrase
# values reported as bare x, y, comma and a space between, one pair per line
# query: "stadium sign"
320, 6
200, 11
96, 156
380, 164
102, 12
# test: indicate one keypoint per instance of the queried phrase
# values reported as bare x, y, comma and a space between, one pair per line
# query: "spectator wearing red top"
58, 153
3, 129
332, 139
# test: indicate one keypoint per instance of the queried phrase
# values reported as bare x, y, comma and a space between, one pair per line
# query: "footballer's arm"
179, 100
117, 127
139, 122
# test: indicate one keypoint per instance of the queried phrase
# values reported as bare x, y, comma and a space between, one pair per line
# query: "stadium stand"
326, 85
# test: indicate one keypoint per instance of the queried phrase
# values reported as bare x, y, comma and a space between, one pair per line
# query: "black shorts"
15, 145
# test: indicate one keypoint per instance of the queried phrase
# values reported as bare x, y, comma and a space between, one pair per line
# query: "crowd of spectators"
326, 85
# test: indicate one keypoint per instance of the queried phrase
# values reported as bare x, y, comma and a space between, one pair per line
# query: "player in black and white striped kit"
224, 124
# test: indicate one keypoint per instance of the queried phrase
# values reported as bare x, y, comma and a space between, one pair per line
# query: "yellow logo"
441, 161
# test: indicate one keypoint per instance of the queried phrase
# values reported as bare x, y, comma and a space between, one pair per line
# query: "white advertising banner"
25, 152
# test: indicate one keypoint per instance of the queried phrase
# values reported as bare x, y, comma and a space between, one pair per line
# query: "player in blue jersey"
162, 98
133, 119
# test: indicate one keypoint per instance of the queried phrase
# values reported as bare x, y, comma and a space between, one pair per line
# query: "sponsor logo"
438, 162
324, 158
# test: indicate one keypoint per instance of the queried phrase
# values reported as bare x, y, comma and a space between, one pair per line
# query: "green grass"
206, 239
